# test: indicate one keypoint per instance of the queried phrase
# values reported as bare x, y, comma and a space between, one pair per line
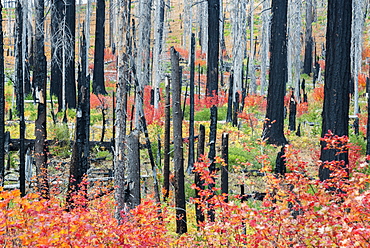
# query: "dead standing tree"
181, 226
265, 41
81, 148
40, 89
98, 76
121, 108
273, 131
337, 78
2, 101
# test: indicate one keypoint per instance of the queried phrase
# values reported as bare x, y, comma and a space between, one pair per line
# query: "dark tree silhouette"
181, 225
40, 85
98, 76
307, 64
337, 79
2, 102
81, 149
273, 131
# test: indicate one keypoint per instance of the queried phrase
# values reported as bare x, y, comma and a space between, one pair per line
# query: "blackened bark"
166, 159
225, 167
132, 185
40, 85
191, 118
70, 78
98, 76
229, 116
236, 109
2, 101
307, 67
151, 158
20, 99
181, 226
280, 166
197, 179
337, 80
213, 47
81, 149
273, 131
292, 112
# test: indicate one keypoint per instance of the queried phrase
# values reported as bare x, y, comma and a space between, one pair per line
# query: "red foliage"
302, 108
100, 101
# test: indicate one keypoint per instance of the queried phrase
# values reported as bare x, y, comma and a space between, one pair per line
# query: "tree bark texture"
121, 109
181, 226
192, 95
265, 41
307, 64
225, 167
337, 79
239, 36
81, 149
2, 102
40, 85
273, 131
167, 138
70, 77
98, 76
213, 47
132, 185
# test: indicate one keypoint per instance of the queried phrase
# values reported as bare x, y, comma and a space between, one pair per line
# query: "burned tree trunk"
292, 112
20, 98
2, 102
40, 88
121, 109
273, 131
225, 167
70, 77
229, 116
98, 76
197, 179
191, 118
337, 80
181, 226
307, 66
167, 138
265, 44
132, 185
81, 148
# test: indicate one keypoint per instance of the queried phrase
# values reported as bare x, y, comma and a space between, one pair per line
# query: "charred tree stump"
132, 184
292, 112
181, 226
167, 127
225, 167
197, 178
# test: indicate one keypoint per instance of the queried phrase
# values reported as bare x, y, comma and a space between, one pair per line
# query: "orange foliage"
302, 108
365, 53
322, 64
183, 53
318, 93
100, 101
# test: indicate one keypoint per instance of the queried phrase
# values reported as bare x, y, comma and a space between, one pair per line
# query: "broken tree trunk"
181, 226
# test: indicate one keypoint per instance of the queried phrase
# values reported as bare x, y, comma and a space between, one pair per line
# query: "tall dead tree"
81, 149
40, 91
167, 138
98, 76
203, 25
143, 56
307, 64
273, 131
181, 225
19, 89
265, 41
157, 50
294, 45
356, 47
121, 107
252, 67
70, 32
212, 79
337, 80
239, 34
2, 102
